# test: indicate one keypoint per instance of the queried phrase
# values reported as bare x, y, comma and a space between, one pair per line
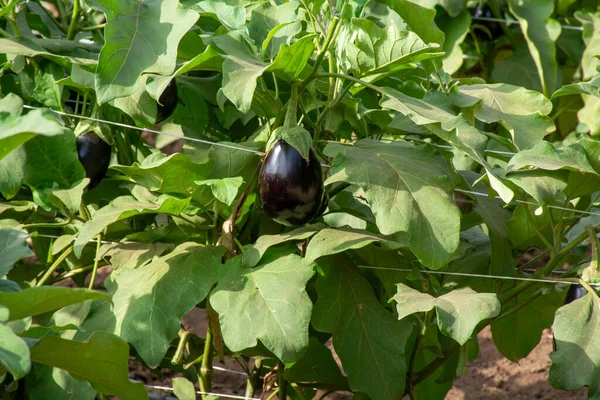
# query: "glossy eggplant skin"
575, 292
494, 27
94, 155
290, 189
167, 102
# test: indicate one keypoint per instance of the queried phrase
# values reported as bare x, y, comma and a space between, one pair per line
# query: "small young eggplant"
94, 155
167, 102
575, 292
290, 189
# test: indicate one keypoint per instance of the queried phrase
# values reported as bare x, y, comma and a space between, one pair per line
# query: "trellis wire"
512, 21
465, 274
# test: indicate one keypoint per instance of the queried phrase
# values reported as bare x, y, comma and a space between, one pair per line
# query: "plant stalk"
54, 266
96, 261
184, 337
74, 16
253, 381
282, 381
206, 369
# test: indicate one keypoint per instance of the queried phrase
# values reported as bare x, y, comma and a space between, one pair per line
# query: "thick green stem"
96, 261
93, 28
206, 369
74, 16
282, 381
54, 266
253, 381
291, 120
184, 337
330, 36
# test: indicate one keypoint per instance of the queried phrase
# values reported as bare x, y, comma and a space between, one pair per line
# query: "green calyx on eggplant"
167, 102
290, 188
94, 155
575, 292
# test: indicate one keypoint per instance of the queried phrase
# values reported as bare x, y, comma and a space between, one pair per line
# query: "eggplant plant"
377, 180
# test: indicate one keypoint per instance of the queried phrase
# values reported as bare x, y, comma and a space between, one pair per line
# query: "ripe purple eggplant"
290, 188
94, 155
167, 102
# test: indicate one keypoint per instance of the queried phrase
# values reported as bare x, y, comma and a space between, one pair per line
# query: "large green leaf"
409, 190
14, 353
546, 156
541, 33
576, 361
418, 18
267, 303
16, 130
436, 114
292, 61
240, 71
522, 112
102, 360
150, 300
74, 52
377, 51
519, 332
132, 255
316, 365
42, 299
254, 253
140, 37
57, 384
13, 247
332, 241
458, 312
124, 207
591, 37
369, 340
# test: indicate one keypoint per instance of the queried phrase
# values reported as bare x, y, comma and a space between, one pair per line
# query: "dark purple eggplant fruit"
94, 155
575, 292
494, 27
291, 189
167, 102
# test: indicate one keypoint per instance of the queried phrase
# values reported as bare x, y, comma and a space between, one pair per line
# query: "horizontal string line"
513, 21
464, 274
229, 396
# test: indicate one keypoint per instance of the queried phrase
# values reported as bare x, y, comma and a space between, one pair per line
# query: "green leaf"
56, 49
42, 299
546, 187
67, 201
418, 18
102, 360
14, 352
522, 112
546, 156
458, 312
377, 51
150, 300
16, 130
267, 303
292, 61
368, 339
456, 30
541, 33
13, 247
332, 241
591, 38
132, 255
141, 37
52, 164
124, 207
253, 254
518, 69
225, 190
316, 365
231, 16
274, 25
57, 384
519, 332
409, 190
438, 117
184, 389
174, 174
241, 69
590, 88
296, 136
576, 359
522, 232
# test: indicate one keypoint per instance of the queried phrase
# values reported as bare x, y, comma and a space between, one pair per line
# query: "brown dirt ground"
491, 376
